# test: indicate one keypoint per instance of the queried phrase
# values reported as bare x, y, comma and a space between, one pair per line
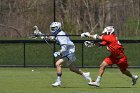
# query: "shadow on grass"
118, 87
70, 87
97, 87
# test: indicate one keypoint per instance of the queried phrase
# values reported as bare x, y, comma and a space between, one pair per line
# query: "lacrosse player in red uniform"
117, 56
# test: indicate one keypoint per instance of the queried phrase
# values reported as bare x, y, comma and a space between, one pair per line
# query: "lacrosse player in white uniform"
66, 53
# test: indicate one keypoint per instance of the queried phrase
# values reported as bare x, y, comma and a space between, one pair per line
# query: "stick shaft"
49, 45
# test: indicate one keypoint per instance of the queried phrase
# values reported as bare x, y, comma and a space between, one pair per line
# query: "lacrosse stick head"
88, 43
35, 28
55, 26
36, 31
108, 30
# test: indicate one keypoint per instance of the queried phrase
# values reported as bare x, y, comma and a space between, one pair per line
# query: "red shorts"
121, 63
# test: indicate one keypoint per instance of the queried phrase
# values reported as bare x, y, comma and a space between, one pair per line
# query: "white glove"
85, 34
88, 43
43, 37
56, 54
51, 37
82, 35
95, 36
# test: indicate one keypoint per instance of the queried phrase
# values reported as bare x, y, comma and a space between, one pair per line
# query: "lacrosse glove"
56, 54
88, 43
85, 34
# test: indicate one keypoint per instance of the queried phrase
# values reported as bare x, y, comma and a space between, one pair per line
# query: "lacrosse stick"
49, 44
92, 31
37, 33
87, 34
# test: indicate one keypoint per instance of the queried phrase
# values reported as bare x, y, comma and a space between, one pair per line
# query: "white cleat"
56, 84
134, 79
97, 84
87, 76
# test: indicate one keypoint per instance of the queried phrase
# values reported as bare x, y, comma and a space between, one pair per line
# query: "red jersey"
113, 45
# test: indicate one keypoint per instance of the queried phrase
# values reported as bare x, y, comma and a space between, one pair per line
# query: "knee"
102, 68
103, 65
57, 64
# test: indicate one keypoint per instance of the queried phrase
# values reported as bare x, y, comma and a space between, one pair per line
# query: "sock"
87, 77
82, 73
59, 76
98, 79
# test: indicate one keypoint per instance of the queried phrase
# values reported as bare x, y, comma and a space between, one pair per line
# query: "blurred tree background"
17, 17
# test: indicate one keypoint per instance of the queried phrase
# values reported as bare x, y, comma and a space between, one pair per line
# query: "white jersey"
66, 44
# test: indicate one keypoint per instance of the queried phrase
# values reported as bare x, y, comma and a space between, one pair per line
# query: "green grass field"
23, 80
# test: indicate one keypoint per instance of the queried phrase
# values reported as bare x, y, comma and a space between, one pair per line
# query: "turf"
23, 80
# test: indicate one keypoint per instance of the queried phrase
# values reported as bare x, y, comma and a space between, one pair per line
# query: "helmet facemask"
53, 29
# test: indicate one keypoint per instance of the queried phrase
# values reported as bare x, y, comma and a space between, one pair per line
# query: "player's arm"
87, 34
63, 43
96, 36
92, 43
103, 43
51, 38
98, 44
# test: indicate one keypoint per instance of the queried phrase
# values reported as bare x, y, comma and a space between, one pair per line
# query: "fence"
26, 53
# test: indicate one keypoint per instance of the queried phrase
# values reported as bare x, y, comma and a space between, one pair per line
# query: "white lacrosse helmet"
108, 30
55, 26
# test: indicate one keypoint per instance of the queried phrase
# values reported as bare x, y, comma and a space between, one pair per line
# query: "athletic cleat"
56, 84
134, 79
97, 84
87, 76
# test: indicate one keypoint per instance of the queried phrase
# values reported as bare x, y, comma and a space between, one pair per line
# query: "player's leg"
74, 69
102, 68
100, 73
133, 77
70, 59
86, 75
107, 61
123, 65
59, 72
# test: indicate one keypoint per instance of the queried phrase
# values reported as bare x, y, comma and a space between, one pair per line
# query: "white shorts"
71, 58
